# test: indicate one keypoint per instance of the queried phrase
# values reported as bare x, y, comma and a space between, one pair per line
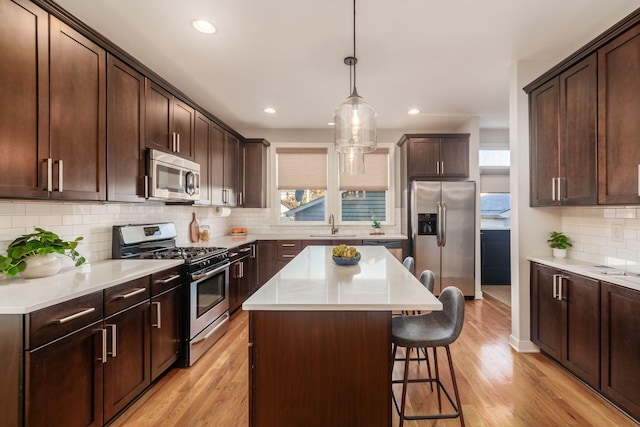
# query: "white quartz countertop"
605, 273
313, 282
235, 241
21, 296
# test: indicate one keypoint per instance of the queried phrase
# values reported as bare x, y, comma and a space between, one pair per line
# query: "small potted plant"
34, 255
559, 242
376, 226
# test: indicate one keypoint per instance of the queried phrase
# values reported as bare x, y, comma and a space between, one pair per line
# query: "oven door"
173, 178
208, 298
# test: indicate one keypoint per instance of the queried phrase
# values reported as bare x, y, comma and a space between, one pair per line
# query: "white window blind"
376, 173
301, 168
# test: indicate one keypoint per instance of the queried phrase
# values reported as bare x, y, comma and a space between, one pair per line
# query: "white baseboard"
523, 346
479, 295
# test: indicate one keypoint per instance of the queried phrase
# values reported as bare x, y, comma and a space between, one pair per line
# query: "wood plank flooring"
498, 386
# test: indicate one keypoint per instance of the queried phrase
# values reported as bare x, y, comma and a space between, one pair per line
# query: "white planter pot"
559, 253
42, 266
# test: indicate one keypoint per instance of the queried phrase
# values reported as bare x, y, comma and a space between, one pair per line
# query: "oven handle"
196, 277
224, 317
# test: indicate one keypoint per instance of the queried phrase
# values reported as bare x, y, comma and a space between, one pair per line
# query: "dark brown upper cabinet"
202, 155
125, 132
225, 152
436, 156
24, 104
169, 124
563, 143
253, 173
618, 120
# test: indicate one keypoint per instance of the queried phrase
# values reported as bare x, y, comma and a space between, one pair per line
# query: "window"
495, 158
364, 197
495, 210
301, 183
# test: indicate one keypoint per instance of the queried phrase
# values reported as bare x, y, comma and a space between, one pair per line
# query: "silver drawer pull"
132, 293
288, 256
75, 315
245, 250
168, 279
288, 245
158, 324
114, 340
232, 254
104, 345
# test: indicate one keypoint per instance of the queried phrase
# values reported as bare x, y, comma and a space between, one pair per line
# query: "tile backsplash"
604, 235
94, 221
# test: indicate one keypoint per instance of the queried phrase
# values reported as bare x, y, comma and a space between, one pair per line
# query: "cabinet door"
246, 284
125, 132
202, 155
424, 155
217, 165
578, 126
454, 157
231, 164
166, 330
183, 122
267, 261
158, 116
63, 381
253, 175
78, 115
544, 104
127, 371
581, 321
234, 286
620, 344
24, 104
618, 124
546, 312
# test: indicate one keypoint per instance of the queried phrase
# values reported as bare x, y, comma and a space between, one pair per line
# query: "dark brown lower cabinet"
127, 371
64, 380
267, 260
166, 330
565, 320
621, 347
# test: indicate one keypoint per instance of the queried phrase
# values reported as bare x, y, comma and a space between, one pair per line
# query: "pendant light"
355, 123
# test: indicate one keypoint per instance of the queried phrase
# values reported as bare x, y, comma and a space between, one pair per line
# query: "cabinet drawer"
286, 256
125, 295
288, 246
165, 280
56, 321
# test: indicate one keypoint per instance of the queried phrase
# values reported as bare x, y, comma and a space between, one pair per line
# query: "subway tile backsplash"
604, 235
94, 222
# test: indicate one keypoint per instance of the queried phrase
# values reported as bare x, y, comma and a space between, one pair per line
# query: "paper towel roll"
221, 211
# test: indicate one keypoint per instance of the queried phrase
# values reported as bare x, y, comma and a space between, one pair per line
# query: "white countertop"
21, 296
313, 282
605, 273
234, 241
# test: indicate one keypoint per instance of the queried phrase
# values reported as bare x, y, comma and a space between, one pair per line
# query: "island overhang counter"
320, 339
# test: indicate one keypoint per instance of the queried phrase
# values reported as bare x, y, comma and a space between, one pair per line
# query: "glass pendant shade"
355, 126
352, 161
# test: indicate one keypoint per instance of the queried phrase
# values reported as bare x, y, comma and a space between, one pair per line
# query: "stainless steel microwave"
171, 177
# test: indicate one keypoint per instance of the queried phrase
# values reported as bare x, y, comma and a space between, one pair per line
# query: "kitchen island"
320, 339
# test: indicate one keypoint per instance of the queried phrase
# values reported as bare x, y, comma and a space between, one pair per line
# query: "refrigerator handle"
443, 230
439, 225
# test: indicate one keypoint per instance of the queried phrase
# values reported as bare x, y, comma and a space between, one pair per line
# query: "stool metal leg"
404, 385
435, 360
455, 386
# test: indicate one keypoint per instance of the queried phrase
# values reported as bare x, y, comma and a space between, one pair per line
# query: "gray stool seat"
436, 329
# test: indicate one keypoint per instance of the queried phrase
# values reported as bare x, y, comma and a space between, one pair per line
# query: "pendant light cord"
354, 46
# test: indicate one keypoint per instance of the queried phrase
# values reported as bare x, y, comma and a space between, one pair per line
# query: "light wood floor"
498, 386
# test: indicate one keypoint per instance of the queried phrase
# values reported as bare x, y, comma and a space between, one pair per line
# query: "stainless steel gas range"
206, 272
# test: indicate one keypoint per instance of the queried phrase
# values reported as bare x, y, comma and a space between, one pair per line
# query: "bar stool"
436, 329
410, 264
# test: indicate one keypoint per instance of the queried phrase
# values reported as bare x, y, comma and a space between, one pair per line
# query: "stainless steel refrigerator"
443, 232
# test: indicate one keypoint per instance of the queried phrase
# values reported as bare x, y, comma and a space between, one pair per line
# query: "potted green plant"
376, 225
34, 255
559, 242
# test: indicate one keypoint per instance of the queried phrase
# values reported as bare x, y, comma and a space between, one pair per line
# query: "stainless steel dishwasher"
394, 246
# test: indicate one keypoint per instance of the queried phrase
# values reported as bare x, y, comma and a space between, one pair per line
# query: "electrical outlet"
617, 233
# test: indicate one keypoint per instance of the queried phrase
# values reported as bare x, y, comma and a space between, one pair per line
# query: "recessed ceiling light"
269, 110
203, 26
413, 111
331, 124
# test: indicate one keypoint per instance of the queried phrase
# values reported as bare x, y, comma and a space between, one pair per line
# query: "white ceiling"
448, 58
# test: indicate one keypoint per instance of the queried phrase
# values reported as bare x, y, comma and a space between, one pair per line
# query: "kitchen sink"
333, 236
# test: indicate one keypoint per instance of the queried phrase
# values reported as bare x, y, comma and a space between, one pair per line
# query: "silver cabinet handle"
441, 168
288, 245
444, 224
560, 189
232, 254
288, 256
244, 250
49, 175
437, 168
560, 277
242, 269
177, 142
60, 176
104, 345
555, 286
168, 279
158, 324
553, 192
638, 180
75, 315
224, 197
114, 340
132, 293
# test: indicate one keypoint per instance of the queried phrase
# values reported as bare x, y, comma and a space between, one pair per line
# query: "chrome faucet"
332, 221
